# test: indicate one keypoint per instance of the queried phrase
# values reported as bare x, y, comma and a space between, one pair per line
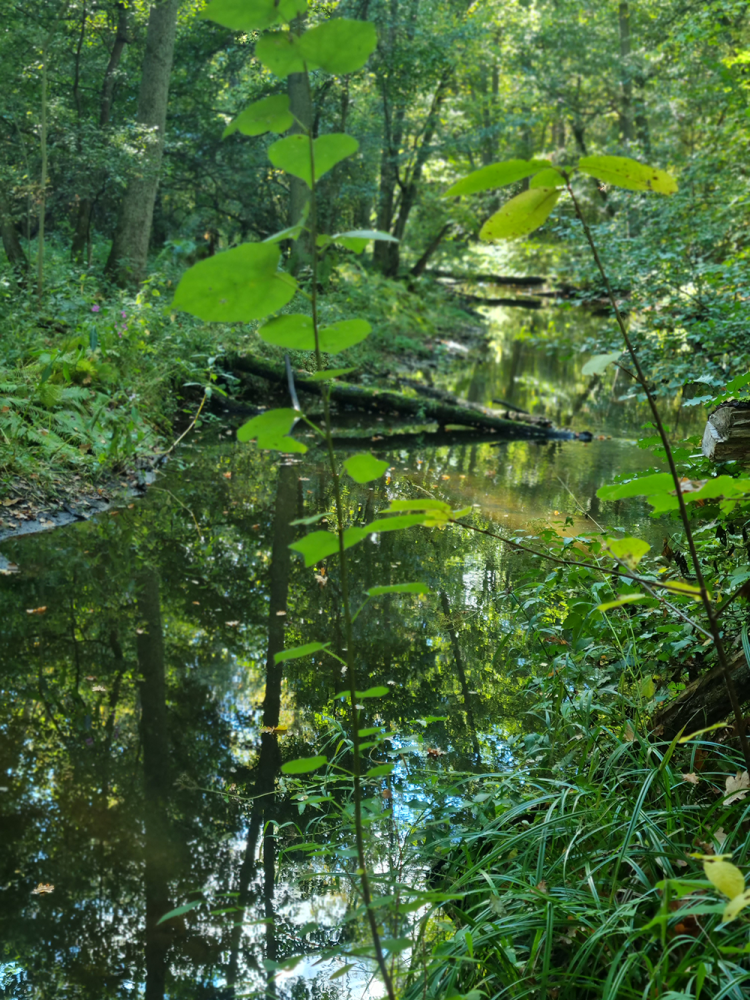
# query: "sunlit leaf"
271, 114
252, 15
279, 51
342, 971
300, 651
630, 550
397, 523
521, 215
398, 588
645, 486
627, 173
599, 363
303, 765
321, 544
271, 430
417, 504
548, 178
344, 334
235, 286
726, 877
735, 906
495, 175
625, 599
685, 589
179, 910
329, 373
341, 45
292, 154
363, 468
380, 770
374, 692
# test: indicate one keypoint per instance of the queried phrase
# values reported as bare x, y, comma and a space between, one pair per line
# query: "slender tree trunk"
156, 783
43, 185
11, 242
129, 254
300, 104
626, 75
82, 231
458, 659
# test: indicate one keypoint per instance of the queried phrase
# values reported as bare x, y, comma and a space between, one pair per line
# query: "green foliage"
271, 430
293, 154
365, 467
271, 114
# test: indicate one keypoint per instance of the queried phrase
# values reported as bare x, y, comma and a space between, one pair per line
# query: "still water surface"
142, 710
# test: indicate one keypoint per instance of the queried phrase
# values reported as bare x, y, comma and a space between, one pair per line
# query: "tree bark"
129, 253
156, 783
82, 231
11, 242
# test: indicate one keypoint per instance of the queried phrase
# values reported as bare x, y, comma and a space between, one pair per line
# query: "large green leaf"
645, 486
630, 550
292, 154
547, 178
295, 332
599, 363
236, 286
271, 114
321, 544
270, 430
303, 765
365, 467
521, 215
340, 45
627, 173
495, 175
279, 52
299, 651
398, 588
252, 15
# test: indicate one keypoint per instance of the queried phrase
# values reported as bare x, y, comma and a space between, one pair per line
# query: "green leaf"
295, 332
495, 175
365, 467
727, 878
290, 233
684, 589
329, 373
548, 178
397, 523
599, 363
252, 15
342, 971
380, 770
343, 335
417, 504
303, 765
394, 945
399, 588
627, 173
321, 544
369, 234
300, 651
521, 215
340, 45
646, 486
270, 431
235, 286
630, 550
292, 154
374, 692
625, 599
362, 733
271, 114
178, 911
279, 51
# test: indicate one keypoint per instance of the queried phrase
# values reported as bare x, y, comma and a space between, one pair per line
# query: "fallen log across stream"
424, 409
704, 702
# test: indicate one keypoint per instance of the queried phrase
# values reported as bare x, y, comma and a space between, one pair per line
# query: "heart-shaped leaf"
292, 154
364, 468
252, 15
340, 45
271, 114
270, 430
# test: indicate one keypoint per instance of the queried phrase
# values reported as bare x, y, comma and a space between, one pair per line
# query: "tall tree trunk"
156, 783
129, 253
458, 660
300, 104
285, 510
82, 231
11, 243
626, 75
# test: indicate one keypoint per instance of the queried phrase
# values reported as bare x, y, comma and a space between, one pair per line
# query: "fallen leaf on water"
196, 602
36, 611
322, 580
227, 475
231, 623
98, 687
278, 613
434, 752
42, 888
737, 787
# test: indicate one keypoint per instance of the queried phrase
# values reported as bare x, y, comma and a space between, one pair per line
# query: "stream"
144, 721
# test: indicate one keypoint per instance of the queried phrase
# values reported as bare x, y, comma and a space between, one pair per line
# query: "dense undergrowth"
96, 377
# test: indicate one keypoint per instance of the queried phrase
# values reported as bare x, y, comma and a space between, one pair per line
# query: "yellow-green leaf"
726, 877
495, 175
735, 906
521, 215
630, 550
626, 173
625, 599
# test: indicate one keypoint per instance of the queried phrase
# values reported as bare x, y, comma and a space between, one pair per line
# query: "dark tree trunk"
156, 783
82, 231
11, 242
129, 254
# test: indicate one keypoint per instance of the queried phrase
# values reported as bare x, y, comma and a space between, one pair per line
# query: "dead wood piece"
727, 433
456, 412
704, 702
491, 279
